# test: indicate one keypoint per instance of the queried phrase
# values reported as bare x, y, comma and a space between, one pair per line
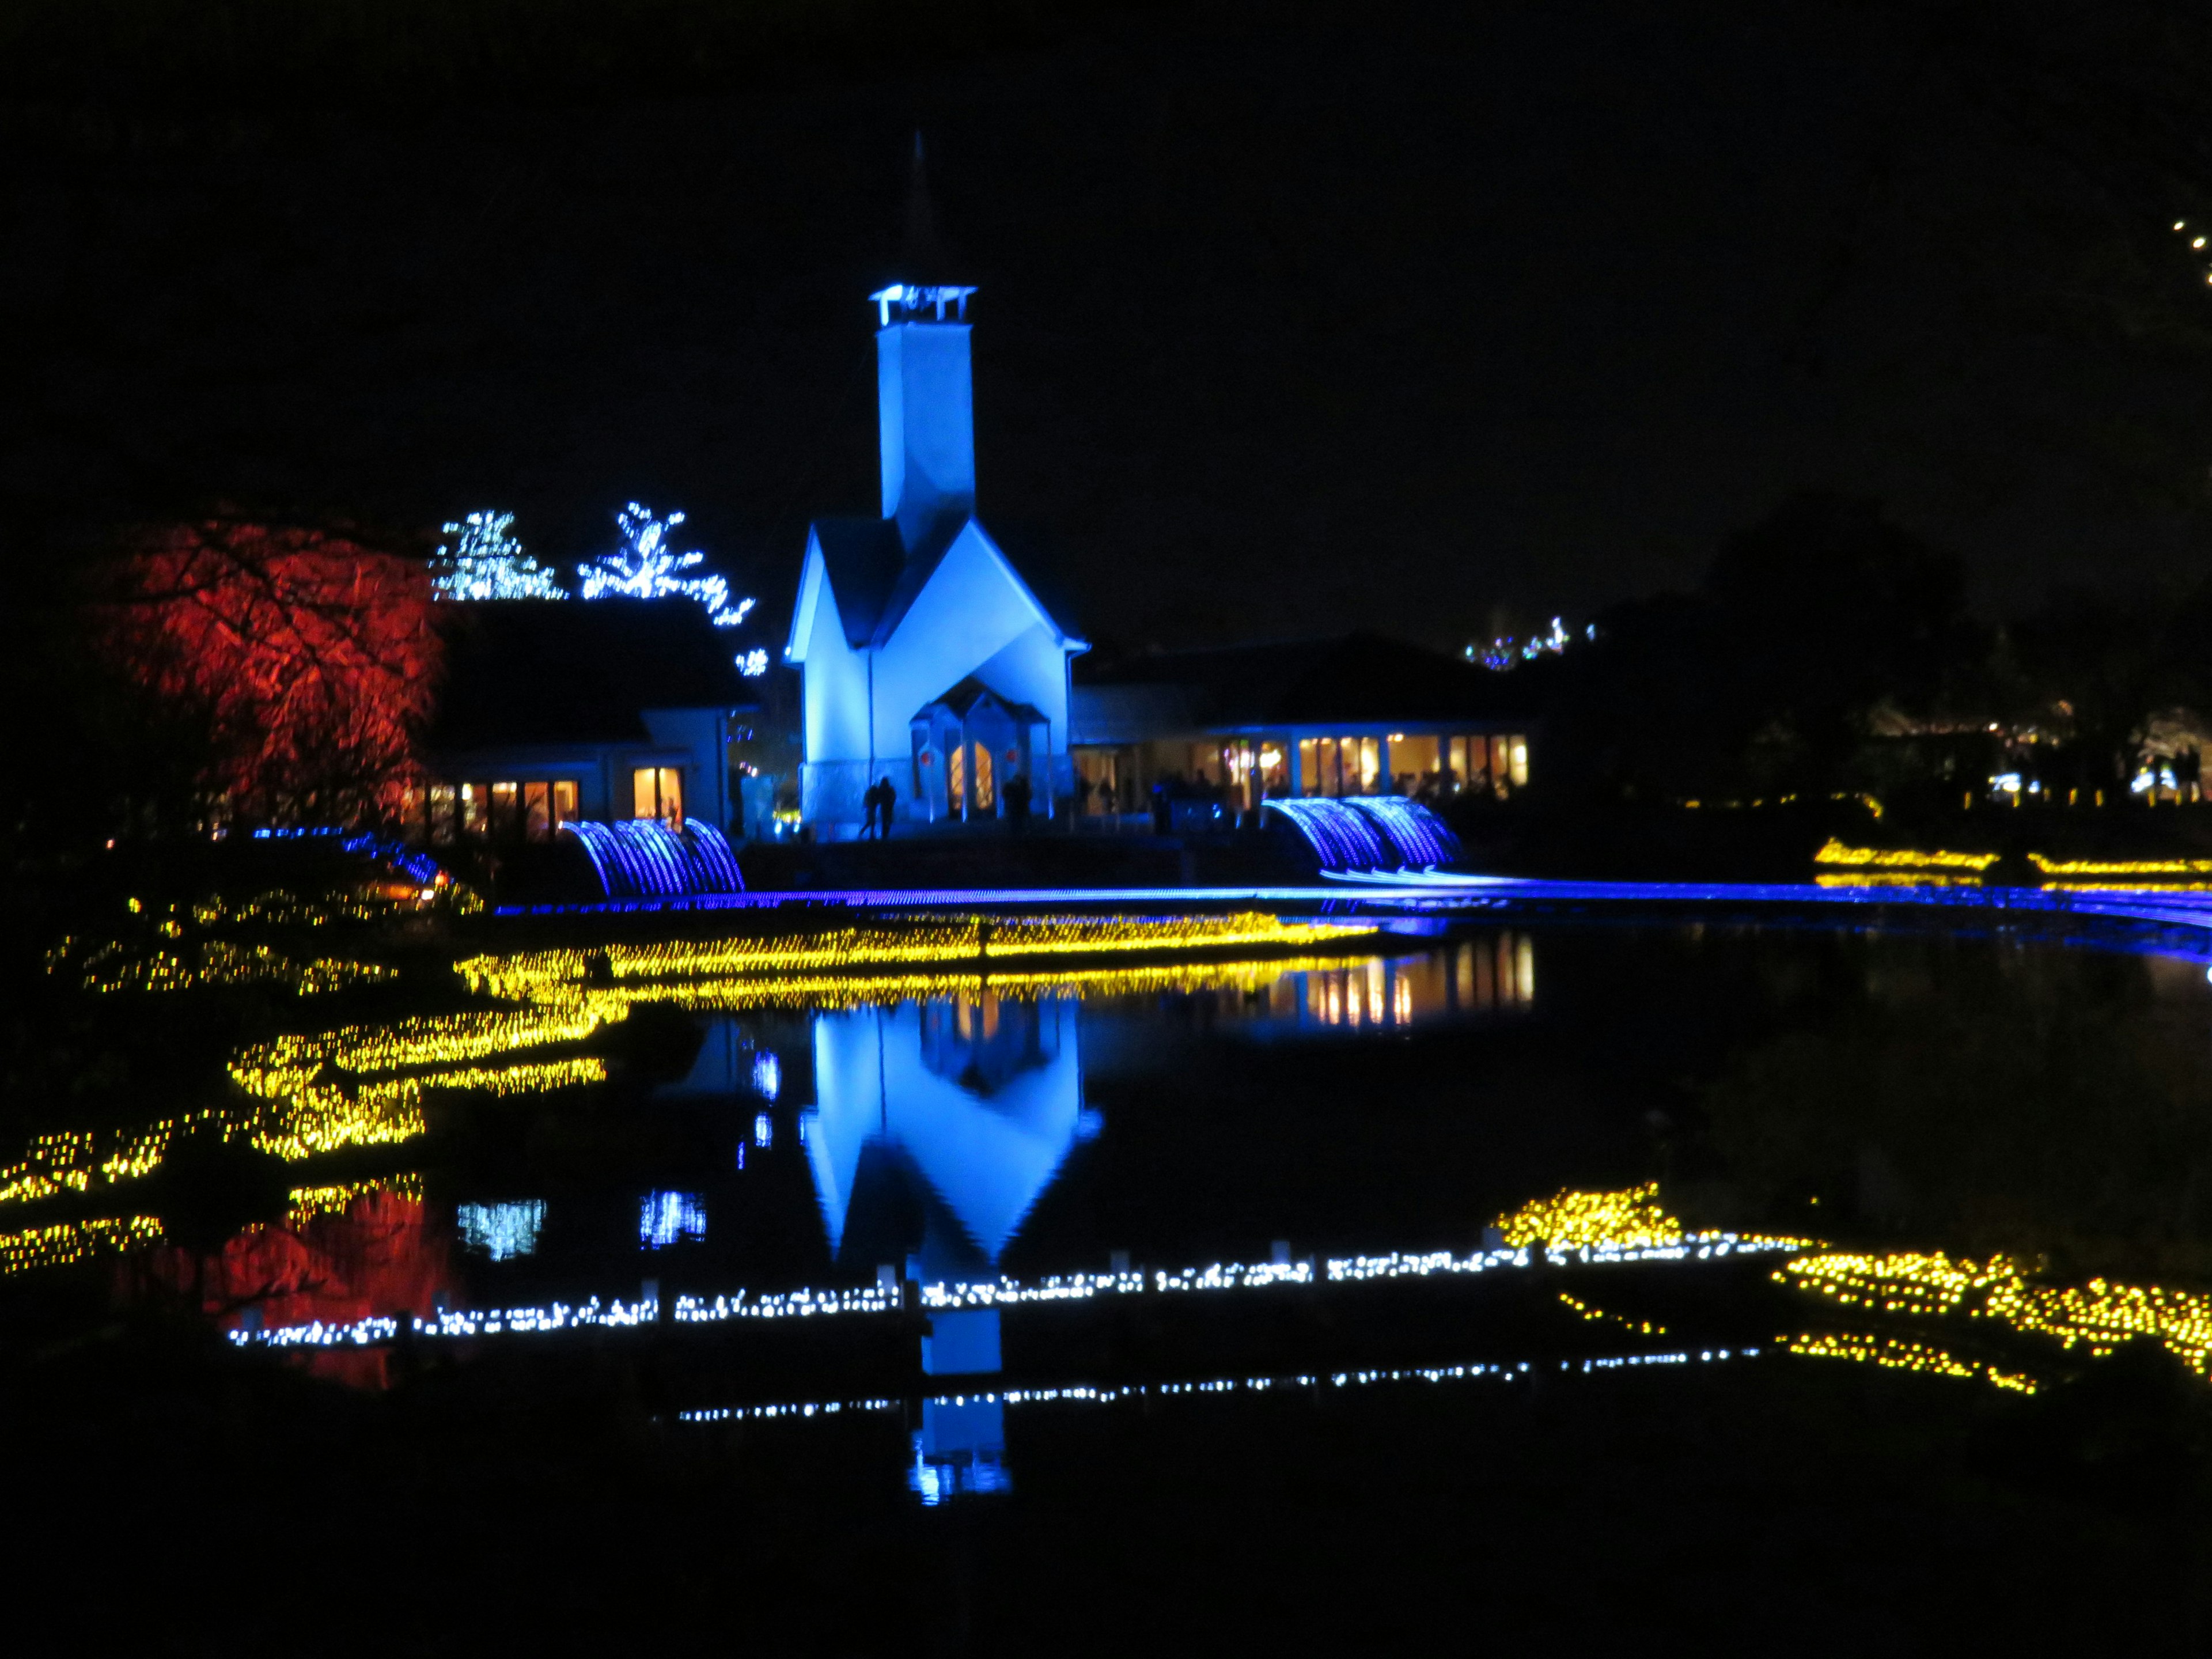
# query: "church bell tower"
924, 393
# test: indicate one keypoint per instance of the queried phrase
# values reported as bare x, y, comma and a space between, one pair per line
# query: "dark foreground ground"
208, 1502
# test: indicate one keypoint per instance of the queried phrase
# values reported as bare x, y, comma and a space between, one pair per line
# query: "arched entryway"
968, 746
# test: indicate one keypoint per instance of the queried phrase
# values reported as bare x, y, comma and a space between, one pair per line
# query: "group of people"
880, 798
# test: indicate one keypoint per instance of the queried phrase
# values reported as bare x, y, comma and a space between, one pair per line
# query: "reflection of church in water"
935, 1128
938, 1127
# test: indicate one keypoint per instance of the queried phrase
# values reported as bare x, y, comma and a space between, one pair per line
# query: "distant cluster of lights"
1508, 651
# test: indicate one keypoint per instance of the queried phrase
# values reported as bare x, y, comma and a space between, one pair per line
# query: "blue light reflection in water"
502, 1231
665, 1219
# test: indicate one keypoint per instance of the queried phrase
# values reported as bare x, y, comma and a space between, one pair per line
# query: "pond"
1549, 1273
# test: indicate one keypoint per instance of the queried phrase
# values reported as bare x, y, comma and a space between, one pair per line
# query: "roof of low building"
537, 671
1351, 679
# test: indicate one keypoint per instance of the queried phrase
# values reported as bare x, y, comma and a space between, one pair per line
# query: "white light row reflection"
1089, 1395
887, 1298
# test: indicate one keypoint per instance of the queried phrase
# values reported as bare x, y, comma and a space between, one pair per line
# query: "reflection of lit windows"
666, 1218
767, 1077
763, 1131
657, 792
502, 1231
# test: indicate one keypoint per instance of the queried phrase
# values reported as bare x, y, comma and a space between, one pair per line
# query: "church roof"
863, 559
1352, 679
538, 671
875, 580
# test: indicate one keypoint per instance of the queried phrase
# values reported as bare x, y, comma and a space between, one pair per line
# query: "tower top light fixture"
917, 302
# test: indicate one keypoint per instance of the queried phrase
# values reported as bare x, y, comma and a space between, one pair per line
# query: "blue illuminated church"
926, 656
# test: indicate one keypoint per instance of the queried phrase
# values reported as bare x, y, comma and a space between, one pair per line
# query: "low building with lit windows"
1202, 734
552, 713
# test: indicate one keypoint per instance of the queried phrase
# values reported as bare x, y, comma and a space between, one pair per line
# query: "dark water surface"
1270, 1350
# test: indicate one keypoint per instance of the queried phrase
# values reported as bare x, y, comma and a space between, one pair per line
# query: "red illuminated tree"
311, 659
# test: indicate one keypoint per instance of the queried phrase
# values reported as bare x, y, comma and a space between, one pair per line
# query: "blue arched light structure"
1370, 832
643, 857
1418, 835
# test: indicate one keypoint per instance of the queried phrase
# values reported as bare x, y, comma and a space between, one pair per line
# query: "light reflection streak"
1110, 1394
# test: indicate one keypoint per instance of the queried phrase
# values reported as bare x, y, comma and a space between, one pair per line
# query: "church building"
926, 659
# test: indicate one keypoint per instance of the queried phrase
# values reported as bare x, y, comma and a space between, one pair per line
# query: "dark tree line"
1828, 650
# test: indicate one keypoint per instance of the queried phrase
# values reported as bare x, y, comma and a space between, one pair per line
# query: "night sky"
1292, 317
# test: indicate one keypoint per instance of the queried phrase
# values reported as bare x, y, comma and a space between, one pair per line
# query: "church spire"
924, 396
925, 290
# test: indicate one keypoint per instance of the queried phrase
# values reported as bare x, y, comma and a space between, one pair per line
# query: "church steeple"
924, 390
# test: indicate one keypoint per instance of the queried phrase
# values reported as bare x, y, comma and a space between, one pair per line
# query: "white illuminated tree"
485, 561
645, 567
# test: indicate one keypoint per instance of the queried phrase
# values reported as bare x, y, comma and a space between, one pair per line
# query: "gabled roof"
863, 559
1354, 678
874, 580
539, 671
970, 691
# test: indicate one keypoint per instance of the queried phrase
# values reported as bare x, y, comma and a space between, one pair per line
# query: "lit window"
657, 793
537, 812
442, 813
505, 810
565, 801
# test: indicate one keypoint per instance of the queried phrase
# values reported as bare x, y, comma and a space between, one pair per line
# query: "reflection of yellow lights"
1895, 878
1870, 858
309, 1202
2120, 866
73, 1241
1630, 1220
221, 962
365, 1085
924, 941
1641, 1327
2124, 886
2098, 1315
